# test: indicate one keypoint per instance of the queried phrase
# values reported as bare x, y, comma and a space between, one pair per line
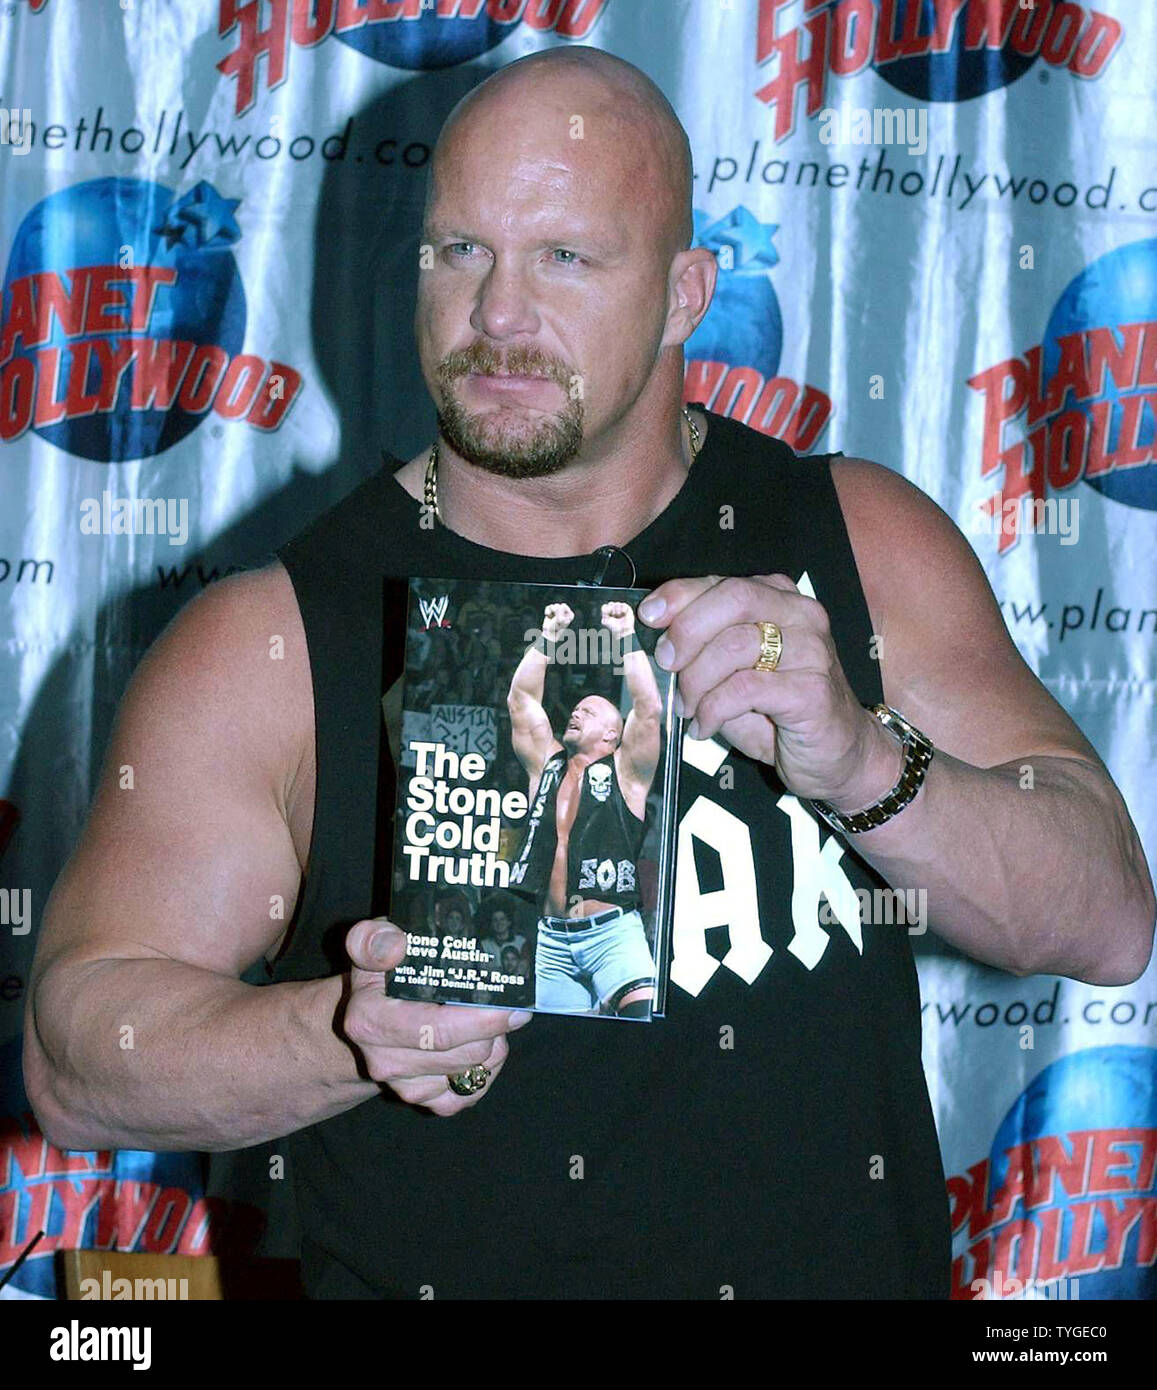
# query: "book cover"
535, 818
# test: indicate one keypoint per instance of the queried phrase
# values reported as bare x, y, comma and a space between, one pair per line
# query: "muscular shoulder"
233, 667
236, 636
907, 549
881, 507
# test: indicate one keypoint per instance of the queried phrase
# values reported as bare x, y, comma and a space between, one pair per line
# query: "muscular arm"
1020, 837
638, 754
530, 732
641, 732
139, 1033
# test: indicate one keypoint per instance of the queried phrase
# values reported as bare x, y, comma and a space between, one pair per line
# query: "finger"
419, 1090
373, 1020
492, 1059
786, 697
387, 1063
667, 601
753, 734
434, 1092
737, 649
729, 603
449, 1103
474, 1054
374, 946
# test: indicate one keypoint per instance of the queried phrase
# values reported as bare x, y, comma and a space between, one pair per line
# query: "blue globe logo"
1118, 288
121, 222
957, 75
744, 326
1100, 1088
418, 36
428, 41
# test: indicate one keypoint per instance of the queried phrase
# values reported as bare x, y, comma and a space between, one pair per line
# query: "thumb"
374, 946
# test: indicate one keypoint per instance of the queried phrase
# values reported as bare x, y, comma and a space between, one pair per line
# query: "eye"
563, 251
459, 249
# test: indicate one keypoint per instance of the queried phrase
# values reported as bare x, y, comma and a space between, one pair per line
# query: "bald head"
560, 283
608, 711
595, 727
641, 142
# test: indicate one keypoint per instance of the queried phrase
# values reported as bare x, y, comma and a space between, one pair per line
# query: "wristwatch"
918, 752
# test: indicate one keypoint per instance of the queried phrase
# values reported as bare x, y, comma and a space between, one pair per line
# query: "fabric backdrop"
936, 226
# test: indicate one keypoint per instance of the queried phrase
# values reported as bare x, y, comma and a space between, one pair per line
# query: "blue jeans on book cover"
578, 968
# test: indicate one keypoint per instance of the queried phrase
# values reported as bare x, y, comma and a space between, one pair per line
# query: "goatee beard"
511, 453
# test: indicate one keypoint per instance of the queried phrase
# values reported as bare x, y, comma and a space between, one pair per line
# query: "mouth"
508, 383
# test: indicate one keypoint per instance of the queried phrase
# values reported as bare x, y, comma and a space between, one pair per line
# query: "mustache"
521, 360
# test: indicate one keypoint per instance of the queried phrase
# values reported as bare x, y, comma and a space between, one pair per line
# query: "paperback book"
535, 820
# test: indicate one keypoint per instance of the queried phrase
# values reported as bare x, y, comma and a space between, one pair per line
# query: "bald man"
869, 726
588, 802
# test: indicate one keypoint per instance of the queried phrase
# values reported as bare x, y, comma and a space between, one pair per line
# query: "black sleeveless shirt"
603, 846
772, 1136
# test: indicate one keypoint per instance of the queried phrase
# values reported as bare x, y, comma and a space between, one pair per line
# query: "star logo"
748, 240
201, 221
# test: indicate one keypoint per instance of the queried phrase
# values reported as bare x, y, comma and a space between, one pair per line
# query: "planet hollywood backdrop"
208, 232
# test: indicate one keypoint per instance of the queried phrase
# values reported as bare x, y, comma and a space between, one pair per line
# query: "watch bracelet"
918, 751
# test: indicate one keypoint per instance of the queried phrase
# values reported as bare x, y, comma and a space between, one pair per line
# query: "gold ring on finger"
466, 1083
770, 647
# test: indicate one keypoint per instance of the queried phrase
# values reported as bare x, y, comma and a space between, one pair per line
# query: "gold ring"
465, 1083
770, 647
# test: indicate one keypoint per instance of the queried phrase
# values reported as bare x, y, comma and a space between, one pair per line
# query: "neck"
605, 496
583, 760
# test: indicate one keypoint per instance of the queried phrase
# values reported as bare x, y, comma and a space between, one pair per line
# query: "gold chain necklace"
430, 494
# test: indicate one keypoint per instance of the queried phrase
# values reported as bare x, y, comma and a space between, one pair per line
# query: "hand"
411, 1047
619, 618
803, 718
555, 620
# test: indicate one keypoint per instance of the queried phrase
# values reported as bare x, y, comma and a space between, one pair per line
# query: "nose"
504, 307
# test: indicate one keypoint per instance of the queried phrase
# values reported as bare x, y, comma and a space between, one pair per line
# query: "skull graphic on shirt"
599, 781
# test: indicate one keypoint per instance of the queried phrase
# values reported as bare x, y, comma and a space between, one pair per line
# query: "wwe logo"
434, 611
